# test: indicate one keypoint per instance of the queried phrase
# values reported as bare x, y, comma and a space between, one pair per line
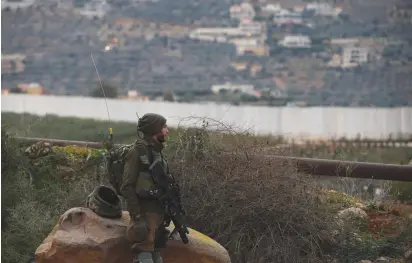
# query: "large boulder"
82, 236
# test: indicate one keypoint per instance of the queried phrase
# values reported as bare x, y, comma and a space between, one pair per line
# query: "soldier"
146, 230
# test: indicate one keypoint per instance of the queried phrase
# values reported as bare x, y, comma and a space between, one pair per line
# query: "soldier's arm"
128, 189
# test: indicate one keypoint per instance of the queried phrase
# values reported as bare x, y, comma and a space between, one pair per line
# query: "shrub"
402, 191
33, 198
260, 210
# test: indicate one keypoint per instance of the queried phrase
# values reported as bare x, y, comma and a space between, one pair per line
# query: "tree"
109, 90
168, 96
17, 90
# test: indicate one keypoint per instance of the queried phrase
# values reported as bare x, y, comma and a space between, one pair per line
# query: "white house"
323, 9
271, 9
344, 41
249, 27
242, 11
247, 89
254, 45
285, 16
95, 8
354, 56
297, 41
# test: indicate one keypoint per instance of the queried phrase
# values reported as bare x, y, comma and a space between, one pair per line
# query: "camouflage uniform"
146, 231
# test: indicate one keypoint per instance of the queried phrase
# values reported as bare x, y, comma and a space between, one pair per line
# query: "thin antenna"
105, 99
101, 86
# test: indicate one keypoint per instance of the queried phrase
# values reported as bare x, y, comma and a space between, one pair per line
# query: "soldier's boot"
143, 257
157, 258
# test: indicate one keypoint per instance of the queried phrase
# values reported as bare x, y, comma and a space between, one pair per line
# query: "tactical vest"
145, 186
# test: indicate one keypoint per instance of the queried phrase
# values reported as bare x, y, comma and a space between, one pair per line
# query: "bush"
34, 195
258, 209
402, 191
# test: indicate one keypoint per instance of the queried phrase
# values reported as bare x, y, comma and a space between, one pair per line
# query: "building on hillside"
242, 11
344, 41
31, 88
12, 63
336, 61
401, 12
323, 9
95, 8
135, 95
247, 89
251, 28
246, 28
5, 92
299, 8
271, 9
297, 41
16, 4
285, 16
215, 34
252, 45
354, 56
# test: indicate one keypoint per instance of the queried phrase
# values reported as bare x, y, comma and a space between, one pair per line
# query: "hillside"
276, 215
57, 42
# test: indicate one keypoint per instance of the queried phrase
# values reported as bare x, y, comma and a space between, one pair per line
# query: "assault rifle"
168, 191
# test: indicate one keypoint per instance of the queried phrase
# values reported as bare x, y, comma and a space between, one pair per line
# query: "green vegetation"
34, 195
53, 127
286, 219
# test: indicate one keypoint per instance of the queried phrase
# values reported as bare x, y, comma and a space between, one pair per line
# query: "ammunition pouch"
146, 188
144, 185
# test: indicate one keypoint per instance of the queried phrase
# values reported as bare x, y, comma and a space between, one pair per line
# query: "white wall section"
314, 122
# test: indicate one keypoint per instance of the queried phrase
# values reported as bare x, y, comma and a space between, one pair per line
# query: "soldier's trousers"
156, 237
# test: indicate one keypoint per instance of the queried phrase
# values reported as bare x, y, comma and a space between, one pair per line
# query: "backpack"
115, 160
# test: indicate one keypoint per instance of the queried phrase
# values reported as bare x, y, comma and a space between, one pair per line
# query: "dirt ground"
391, 221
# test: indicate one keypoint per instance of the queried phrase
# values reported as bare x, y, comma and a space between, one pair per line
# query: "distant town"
273, 53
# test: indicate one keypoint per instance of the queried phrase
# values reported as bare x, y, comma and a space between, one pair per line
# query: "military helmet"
151, 123
104, 202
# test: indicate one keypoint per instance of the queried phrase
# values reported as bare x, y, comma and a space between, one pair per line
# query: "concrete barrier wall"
315, 122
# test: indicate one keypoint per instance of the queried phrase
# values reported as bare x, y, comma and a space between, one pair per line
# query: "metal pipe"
57, 142
312, 166
366, 170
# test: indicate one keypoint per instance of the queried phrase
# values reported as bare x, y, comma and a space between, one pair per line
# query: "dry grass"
260, 210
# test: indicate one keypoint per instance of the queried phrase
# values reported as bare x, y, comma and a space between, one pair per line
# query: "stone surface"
82, 236
408, 255
383, 260
352, 212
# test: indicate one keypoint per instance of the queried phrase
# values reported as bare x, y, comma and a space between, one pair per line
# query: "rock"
38, 149
383, 260
352, 212
408, 255
82, 236
365, 261
361, 206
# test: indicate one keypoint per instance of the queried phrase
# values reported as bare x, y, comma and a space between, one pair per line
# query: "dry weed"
260, 210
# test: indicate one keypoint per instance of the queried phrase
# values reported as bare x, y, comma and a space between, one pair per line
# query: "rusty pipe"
338, 168
58, 142
322, 167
